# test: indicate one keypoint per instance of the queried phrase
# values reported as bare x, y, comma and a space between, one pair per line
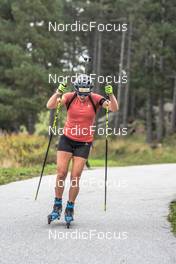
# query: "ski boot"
57, 209
69, 212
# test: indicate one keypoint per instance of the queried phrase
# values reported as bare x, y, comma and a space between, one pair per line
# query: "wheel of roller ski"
49, 219
68, 225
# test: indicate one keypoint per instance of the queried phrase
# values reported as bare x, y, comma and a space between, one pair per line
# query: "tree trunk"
149, 118
173, 118
94, 66
99, 53
51, 117
160, 132
97, 66
119, 91
16, 126
132, 104
31, 123
127, 89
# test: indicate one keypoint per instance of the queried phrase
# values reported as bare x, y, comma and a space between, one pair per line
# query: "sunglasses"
83, 94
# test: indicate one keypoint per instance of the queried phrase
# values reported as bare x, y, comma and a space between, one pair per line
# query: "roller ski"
69, 212
57, 210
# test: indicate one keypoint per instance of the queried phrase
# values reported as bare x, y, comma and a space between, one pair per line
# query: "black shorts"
78, 149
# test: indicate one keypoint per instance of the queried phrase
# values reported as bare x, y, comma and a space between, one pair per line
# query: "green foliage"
22, 155
172, 216
24, 150
41, 128
134, 151
29, 150
26, 49
16, 174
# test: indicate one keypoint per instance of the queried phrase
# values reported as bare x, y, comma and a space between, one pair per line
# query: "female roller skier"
75, 143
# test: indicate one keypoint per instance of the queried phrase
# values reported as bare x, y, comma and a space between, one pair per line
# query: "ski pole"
106, 156
43, 166
49, 142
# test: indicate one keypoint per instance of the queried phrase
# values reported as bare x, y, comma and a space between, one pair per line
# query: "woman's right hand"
57, 98
61, 88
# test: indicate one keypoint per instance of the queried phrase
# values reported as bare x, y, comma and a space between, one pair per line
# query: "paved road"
133, 230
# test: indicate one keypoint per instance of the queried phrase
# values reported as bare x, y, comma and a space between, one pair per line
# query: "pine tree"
28, 53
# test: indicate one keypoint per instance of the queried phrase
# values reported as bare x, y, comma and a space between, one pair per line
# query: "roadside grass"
8, 175
22, 155
172, 216
133, 150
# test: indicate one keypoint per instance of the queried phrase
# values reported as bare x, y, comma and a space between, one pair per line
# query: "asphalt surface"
134, 229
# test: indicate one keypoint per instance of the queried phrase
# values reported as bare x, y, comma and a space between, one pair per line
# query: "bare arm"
112, 103
54, 100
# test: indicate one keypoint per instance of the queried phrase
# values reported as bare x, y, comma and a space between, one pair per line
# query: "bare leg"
77, 168
63, 160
